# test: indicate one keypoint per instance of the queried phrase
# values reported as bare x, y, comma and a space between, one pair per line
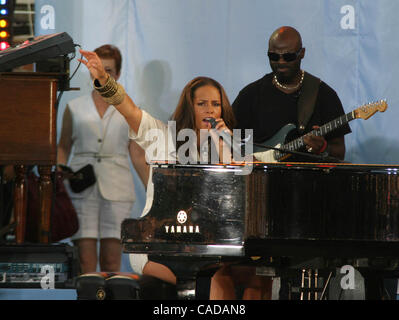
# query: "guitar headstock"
367, 110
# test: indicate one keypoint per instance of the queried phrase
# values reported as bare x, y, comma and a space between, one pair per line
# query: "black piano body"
295, 210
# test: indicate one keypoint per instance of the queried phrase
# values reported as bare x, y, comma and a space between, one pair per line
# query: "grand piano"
281, 216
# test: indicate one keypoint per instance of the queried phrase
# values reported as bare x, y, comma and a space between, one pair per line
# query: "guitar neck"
322, 131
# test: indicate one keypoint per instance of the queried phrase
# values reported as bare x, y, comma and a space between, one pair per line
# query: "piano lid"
37, 49
212, 209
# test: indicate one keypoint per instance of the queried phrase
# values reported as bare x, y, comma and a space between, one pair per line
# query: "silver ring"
310, 149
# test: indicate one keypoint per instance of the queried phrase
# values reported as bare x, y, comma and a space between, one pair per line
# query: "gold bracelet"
106, 87
117, 97
110, 92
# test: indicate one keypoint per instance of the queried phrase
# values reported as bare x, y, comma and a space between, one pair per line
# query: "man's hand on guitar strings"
314, 144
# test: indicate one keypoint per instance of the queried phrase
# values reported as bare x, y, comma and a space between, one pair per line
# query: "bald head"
286, 40
284, 35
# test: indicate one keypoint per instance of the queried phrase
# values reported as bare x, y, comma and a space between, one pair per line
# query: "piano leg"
20, 203
45, 192
186, 288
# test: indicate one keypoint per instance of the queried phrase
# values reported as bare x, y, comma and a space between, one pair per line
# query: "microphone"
227, 138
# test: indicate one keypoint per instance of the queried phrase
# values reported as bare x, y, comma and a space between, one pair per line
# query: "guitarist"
290, 95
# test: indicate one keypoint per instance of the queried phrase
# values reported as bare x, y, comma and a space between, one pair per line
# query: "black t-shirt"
265, 109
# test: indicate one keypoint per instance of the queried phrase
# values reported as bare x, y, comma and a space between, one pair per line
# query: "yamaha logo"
181, 218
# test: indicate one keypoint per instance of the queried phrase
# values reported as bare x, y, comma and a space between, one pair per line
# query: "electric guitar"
277, 141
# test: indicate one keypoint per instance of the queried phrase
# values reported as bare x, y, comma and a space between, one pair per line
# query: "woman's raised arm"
112, 92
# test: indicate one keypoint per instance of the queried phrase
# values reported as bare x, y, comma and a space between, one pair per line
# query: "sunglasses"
288, 57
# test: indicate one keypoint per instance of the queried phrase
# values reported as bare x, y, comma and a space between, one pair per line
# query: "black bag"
81, 179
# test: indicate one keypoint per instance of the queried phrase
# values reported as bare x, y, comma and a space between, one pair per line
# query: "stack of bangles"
112, 92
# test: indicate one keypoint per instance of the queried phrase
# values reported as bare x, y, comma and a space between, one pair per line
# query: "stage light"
4, 45
6, 18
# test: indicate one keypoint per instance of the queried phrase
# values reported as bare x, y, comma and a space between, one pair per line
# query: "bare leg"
110, 255
159, 271
227, 278
87, 254
223, 282
222, 285
256, 287
259, 288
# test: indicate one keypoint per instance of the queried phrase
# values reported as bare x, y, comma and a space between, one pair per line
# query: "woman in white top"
99, 136
201, 99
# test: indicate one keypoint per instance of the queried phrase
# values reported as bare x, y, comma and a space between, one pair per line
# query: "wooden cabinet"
28, 136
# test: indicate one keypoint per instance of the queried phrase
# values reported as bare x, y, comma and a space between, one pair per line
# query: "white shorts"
138, 262
100, 218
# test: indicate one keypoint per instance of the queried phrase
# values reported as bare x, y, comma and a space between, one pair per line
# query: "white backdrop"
352, 45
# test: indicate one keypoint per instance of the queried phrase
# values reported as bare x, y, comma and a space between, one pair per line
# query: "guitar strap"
307, 100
